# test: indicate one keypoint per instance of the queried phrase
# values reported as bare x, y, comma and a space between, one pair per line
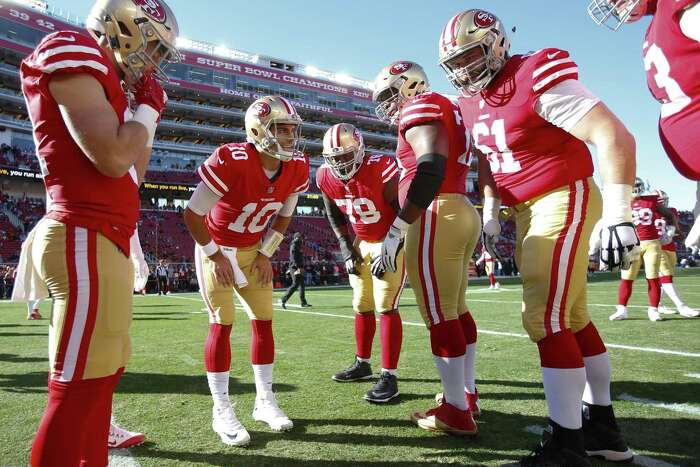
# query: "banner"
168, 187
19, 173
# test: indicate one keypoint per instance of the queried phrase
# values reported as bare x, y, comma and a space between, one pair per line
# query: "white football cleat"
226, 425
653, 314
688, 312
497, 286
620, 314
119, 438
491, 287
267, 411
666, 310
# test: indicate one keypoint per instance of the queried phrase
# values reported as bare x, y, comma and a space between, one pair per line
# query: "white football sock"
563, 388
452, 376
670, 290
218, 386
391, 372
367, 360
598, 375
263, 380
470, 369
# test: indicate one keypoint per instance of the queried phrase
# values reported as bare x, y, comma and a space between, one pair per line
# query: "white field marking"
122, 458
484, 331
686, 409
693, 375
638, 460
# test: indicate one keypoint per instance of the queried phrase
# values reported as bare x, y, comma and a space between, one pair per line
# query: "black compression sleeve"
429, 176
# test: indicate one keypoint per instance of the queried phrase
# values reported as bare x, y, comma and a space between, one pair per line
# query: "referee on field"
162, 276
296, 269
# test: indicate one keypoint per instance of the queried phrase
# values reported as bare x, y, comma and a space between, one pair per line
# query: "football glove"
148, 91
491, 244
377, 267
392, 244
350, 256
619, 246
693, 239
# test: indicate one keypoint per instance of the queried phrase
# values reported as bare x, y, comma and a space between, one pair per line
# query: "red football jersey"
248, 198
528, 155
433, 107
672, 63
362, 197
79, 194
660, 223
643, 214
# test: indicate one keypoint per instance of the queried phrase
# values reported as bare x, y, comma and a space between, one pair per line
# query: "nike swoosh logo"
221, 161
67, 38
551, 56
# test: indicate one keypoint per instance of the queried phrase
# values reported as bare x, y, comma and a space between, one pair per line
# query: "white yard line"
693, 375
122, 458
686, 409
482, 331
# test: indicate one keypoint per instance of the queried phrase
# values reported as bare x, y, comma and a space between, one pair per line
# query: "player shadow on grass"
137, 383
12, 358
22, 334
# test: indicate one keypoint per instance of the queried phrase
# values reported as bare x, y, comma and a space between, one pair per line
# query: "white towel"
239, 277
29, 285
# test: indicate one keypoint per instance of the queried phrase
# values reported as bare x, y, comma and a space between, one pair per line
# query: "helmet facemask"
345, 164
472, 75
639, 187
389, 102
271, 145
614, 13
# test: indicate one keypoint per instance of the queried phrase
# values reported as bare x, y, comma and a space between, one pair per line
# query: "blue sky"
360, 37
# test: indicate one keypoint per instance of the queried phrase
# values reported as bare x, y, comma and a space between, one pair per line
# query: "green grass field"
164, 392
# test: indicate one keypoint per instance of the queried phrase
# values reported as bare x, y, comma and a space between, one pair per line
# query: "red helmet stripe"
448, 34
336, 136
288, 106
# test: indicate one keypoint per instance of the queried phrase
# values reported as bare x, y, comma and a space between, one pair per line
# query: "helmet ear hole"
123, 29
255, 131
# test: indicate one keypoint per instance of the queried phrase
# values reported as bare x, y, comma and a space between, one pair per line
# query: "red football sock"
447, 339
391, 336
468, 327
365, 327
492, 279
95, 449
217, 349
624, 292
589, 341
262, 343
666, 279
73, 409
654, 288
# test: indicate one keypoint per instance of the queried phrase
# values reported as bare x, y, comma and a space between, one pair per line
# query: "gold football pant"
255, 298
439, 247
370, 293
668, 263
651, 255
91, 283
488, 267
552, 255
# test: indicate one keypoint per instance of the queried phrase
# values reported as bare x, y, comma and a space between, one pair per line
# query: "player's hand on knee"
351, 256
262, 268
619, 246
223, 269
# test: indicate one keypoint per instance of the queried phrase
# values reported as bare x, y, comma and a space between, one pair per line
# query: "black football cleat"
358, 371
602, 436
385, 390
306, 305
559, 448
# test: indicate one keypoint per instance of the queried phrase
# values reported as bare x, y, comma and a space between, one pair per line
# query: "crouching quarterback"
245, 185
440, 228
532, 118
93, 149
365, 189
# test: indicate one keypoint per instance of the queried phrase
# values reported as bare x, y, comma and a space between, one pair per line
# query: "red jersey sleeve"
216, 171
424, 108
551, 67
302, 175
320, 177
67, 52
389, 168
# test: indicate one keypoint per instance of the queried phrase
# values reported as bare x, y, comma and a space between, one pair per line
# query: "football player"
93, 146
645, 210
440, 228
672, 61
531, 118
667, 234
243, 186
488, 263
364, 188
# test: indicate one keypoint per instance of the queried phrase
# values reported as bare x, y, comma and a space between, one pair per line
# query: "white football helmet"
343, 150
141, 34
261, 127
663, 196
614, 13
395, 84
640, 187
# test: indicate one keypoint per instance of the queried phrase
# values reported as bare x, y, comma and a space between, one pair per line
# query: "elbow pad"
429, 177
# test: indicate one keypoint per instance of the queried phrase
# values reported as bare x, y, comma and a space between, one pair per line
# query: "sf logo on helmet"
152, 8
400, 67
262, 109
484, 19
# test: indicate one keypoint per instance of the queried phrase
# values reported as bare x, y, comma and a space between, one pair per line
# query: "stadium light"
343, 78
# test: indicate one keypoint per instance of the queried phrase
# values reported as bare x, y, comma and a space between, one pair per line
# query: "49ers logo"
152, 8
262, 109
400, 67
484, 19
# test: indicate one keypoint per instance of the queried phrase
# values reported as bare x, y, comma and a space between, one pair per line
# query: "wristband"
148, 117
210, 249
617, 203
400, 225
270, 243
491, 208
